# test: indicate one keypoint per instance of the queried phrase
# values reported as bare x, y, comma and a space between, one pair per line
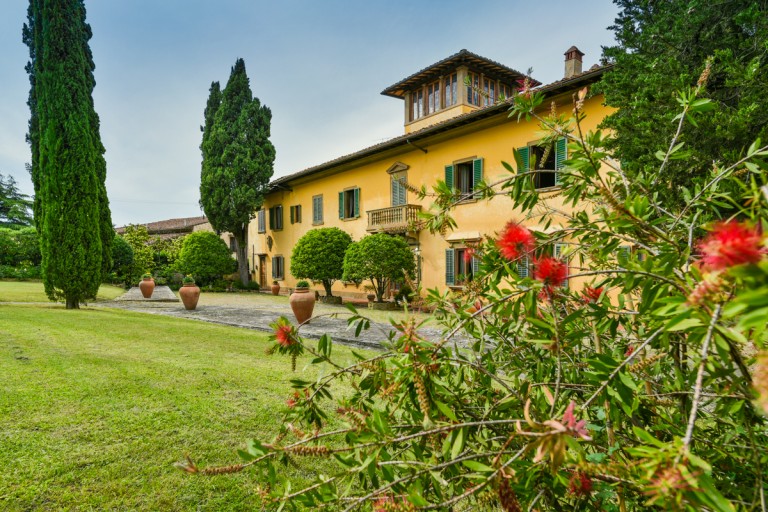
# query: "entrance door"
262, 271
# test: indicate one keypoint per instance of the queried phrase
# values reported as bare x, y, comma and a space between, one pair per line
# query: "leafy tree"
205, 256
68, 167
19, 245
122, 258
319, 255
379, 258
628, 374
15, 207
237, 160
662, 49
138, 238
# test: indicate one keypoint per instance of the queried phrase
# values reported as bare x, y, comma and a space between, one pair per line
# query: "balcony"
397, 219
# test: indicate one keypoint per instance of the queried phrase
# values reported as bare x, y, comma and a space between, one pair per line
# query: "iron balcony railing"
395, 219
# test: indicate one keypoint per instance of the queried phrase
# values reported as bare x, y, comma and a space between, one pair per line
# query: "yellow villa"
456, 129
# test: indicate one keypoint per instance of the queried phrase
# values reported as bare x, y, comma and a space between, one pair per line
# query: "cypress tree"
237, 159
68, 167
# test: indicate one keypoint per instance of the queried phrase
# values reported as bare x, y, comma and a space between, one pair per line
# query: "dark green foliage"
319, 255
15, 207
237, 159
122, 259
68, 167
379, 258
19, 246
662, 48
206, 257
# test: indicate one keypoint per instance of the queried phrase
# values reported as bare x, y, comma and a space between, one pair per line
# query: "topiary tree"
319, 255
122, 258
379, 258
206, 257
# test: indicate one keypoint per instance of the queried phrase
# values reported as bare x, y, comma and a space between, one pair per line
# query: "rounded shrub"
206, 257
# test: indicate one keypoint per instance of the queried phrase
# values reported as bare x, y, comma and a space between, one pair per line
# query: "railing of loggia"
394, 215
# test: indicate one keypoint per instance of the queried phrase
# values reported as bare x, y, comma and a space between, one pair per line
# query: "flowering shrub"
633, 388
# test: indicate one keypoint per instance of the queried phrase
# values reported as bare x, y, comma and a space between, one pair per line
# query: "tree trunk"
242, 257
327, 284
73, 303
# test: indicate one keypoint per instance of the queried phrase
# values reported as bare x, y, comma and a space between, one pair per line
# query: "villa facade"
457, 129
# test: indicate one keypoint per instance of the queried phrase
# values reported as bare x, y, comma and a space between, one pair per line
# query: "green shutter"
522, 266
521, 158
357, 203
272, 218
623, 254
341, 205
449, 267
475, 265
292, 214
449, 176
274, 270
561, 154
477, 171
557, 252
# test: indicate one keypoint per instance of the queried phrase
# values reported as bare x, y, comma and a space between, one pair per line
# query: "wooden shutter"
274, 267
341, 205
449, 267
279, 217
475, 265
356, 210
477, 172
262, 221
623, 253
522, 164
272, 218
292, 211
561, 154
449, 176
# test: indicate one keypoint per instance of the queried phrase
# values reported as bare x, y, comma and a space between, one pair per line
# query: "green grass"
32, 291
97, 404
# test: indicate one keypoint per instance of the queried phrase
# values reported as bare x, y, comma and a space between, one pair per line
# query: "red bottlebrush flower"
469, 253
283, 335
551, 271
580, 484
589, 294
291, 402
730, 244
515, 241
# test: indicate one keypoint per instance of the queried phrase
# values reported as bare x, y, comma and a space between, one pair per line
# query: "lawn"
32, 291
97, 404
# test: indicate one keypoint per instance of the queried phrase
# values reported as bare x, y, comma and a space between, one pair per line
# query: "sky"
320, 67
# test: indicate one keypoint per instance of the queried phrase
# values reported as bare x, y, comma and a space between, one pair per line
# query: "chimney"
573, 62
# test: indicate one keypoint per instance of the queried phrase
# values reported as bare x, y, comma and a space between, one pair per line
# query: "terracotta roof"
559, 86
463, 57
170, 226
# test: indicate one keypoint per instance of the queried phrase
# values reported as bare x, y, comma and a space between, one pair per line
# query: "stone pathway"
159, 294
259, 316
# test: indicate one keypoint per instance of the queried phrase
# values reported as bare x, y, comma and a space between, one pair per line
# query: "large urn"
302, 303
147, 286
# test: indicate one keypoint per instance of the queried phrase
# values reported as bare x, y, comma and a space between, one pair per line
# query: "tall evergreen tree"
15, 207
68, 167
237, 159
663, 48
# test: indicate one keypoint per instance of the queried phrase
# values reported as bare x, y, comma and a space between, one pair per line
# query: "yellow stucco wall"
492, 139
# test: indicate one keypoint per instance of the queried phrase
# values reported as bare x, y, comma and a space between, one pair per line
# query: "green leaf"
447, 411
458, 443
477, 466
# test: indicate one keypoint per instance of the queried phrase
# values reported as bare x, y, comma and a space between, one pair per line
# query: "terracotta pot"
302, 303
147, 286
275, 289
371, 297
190, 294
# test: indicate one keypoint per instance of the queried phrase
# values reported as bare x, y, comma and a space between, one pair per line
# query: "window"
276, 218
489, 92
317, 209
524, 266
295, 213
398, 189
232, 244
278, 267
349, 204
546, 158
433, 97
464, 176
261, 217
451, 96
505, 91
460, 266
417, 104
473, 89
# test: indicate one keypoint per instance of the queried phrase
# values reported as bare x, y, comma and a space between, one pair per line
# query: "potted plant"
189, 292
275, 288
147, 285
302, 302
370, 295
